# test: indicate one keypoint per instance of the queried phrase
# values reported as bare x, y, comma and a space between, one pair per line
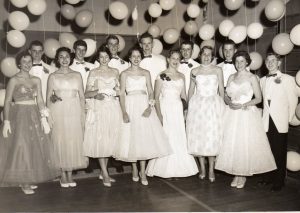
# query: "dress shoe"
33, 186
144, 181
241, 182
64, 185
211, 177
234, 182
111, 179
135, 179
201, 176
27, 191
106, 182
72, 184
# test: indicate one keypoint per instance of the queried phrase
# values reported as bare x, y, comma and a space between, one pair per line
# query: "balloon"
91, 47
73, 1
19, 3
167, 4
191, 27
16, 38
171, 35
2, 97
275, 10
225, 27
256, 61
207, 31
157, 46
293, 161
295, 35
134, 14
9, 67
154, 30
37, 7
68, 11
18, 20
155, 10
193, 10
282, 44
298, 79
50, 47
238, 34
67, 40
297, 113
205, 1
118, 10
121, 43
233, 4
196, 51
84, 18
221, 51
210, 43
255, 30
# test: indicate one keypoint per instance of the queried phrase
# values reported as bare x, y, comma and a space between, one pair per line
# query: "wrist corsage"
55, 98
45, 112
151, 102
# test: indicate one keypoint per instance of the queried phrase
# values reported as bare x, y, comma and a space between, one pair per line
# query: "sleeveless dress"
142, 138
180, 163
103, 120
245, 150
26, 155
204, 123
67, 132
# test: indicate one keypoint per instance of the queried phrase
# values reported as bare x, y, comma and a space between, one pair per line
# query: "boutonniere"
54, 98
164, 77
122, 62
45, 70
190, 65
87, 69
277, 80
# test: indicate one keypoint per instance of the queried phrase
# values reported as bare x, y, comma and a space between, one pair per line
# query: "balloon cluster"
293, 161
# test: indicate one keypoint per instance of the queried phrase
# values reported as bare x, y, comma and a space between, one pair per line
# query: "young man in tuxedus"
280, 98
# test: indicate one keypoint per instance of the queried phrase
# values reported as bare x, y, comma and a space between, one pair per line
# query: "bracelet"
151, 102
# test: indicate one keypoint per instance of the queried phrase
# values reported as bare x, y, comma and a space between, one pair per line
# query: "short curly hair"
21, 55
243, 54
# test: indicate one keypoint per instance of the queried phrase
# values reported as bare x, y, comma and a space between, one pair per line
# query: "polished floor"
185, 194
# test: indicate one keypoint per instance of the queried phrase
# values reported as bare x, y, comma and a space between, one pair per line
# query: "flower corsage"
165, 77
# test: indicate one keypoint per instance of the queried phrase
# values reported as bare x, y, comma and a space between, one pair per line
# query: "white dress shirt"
117, 63
186, 68
228, 70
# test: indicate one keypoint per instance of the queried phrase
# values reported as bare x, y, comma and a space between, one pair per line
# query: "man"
39, 68
151, 62
228, 68
79, 64
280, 94
187, 63
112, 43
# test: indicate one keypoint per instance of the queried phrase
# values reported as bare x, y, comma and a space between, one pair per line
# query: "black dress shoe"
276, 188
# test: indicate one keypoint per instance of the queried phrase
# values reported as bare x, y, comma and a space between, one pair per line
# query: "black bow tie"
271, 75
227, 62
37, 65
148, 56
80, 62
184, 62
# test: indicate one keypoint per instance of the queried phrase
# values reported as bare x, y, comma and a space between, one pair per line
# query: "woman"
142, 136
245, 150
65, 98
169, 91
104, 117
206, 106
26, 154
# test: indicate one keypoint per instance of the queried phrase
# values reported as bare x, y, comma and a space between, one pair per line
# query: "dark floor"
185, 194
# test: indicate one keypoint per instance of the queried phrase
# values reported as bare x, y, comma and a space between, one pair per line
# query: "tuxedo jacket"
283, 101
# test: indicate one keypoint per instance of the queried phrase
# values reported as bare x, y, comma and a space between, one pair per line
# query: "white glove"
6, 128
45, 125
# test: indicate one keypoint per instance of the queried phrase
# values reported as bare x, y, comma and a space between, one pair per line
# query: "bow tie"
80, 62
184, 62
271, 75
148, 56
37, 65
227, 62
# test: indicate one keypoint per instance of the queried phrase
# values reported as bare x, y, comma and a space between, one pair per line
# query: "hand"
45, 125
235, 106
126, 117
147, 112
99, 96
6, 129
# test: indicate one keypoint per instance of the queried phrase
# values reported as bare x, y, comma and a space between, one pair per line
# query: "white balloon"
275, 10
50, 47
155, 10
256, 61
193, 10
18, 20
16, 38
37, 7
154, 30
206, 31
91, 47
2, 97
233, 4
171, 35
225, 27
118, 10
295, 35
157, 46
255, 30
238, 34
282, 44
167, 4
196, 51
121, 43
134, 14
191, 27
210, 43
9, 67
19, 3
67, 40
68, 11
73, 1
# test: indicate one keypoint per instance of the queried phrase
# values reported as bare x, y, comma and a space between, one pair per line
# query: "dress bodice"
24, 92
240, 93
136, 83
207, 85
104, 85
65, 87
172, 89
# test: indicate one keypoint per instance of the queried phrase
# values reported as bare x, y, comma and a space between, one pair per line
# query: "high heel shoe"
144, 181
106, 183
27, 191
234, 182
63, 185
202, 176
241, 183
212, 178
72, 184
111, 179
33, 186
